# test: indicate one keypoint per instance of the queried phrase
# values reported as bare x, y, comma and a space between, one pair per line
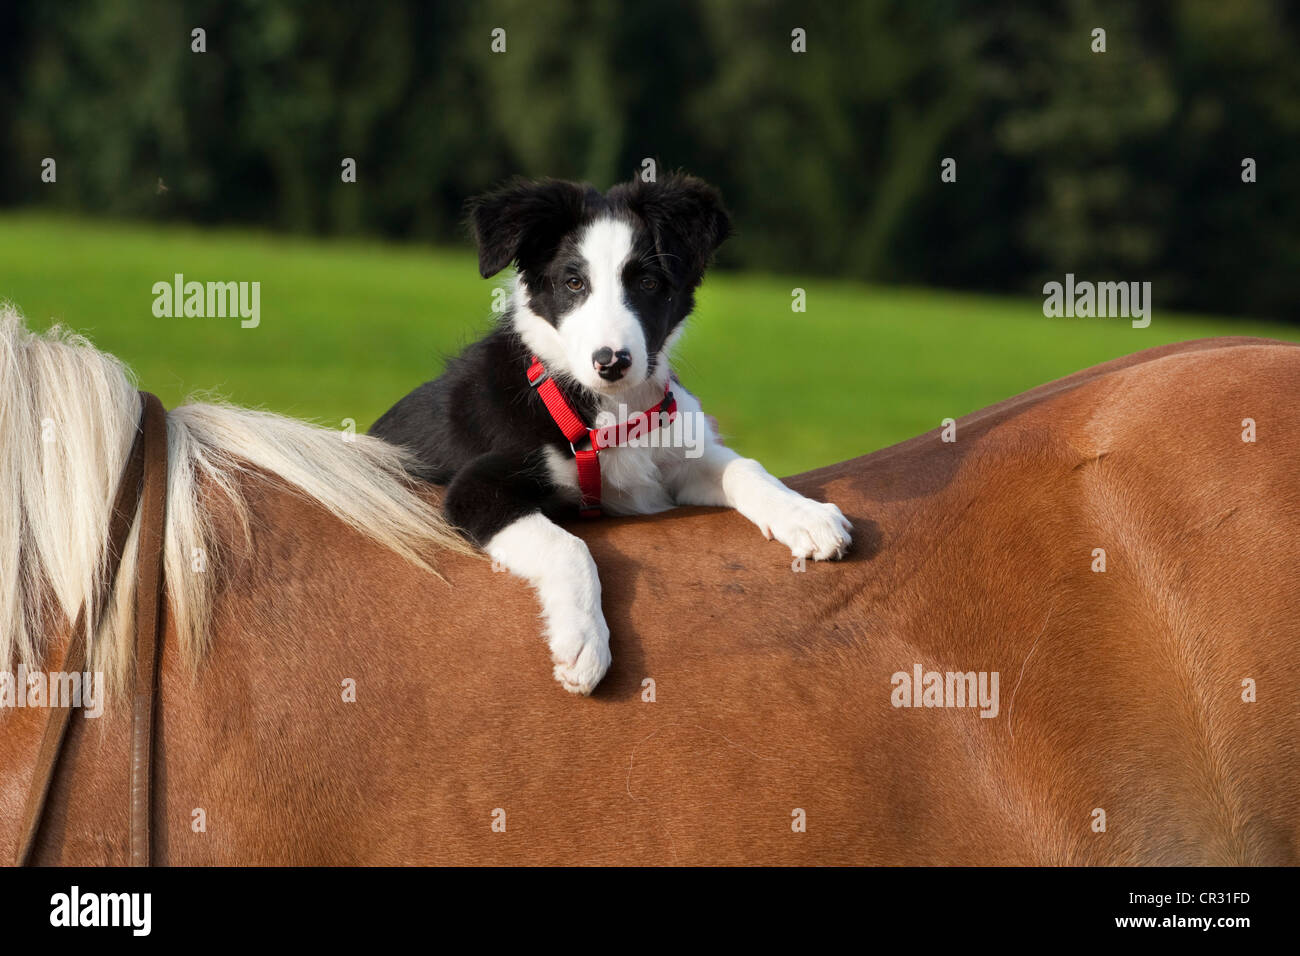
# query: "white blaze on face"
604, 320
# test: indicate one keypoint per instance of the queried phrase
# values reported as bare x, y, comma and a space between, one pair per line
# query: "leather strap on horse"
148, 621
143, 485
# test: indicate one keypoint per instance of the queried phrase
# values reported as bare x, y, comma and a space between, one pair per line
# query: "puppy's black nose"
611, 365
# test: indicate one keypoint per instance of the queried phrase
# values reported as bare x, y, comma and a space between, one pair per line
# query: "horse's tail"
68, 415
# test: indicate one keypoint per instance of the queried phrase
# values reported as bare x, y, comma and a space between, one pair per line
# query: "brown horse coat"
772, 737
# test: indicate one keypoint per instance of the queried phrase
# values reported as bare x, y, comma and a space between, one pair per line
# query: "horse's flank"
350, 709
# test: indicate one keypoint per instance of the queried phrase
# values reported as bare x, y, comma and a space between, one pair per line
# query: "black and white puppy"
602, 287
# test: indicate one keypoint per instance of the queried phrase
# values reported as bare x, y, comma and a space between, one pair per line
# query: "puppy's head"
603, 281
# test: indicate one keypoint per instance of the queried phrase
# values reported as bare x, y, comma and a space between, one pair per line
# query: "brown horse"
1086, 599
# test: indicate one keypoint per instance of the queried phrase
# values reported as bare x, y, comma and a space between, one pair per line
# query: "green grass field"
347, 328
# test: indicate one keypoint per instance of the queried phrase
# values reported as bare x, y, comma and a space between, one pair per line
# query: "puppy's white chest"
640, 477
633, 480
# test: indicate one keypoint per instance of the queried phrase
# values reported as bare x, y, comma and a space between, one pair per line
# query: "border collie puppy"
602, 287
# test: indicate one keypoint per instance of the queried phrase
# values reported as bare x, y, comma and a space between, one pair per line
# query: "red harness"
575, 430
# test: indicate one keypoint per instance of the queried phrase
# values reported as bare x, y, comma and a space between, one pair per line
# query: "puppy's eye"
649, 283
574, 284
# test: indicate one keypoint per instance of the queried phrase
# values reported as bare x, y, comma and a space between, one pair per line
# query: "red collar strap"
576, 431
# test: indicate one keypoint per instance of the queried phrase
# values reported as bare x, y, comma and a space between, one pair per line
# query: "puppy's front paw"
580, 649
810, 529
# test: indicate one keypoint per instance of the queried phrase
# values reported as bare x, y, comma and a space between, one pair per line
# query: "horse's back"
355, 710
1121, 551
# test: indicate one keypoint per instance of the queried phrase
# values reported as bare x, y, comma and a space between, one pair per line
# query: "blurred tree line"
1117, 165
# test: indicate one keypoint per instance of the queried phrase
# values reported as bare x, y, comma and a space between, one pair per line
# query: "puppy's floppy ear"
523, 221
686, 217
